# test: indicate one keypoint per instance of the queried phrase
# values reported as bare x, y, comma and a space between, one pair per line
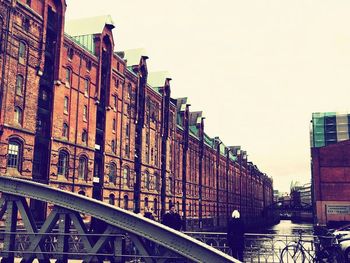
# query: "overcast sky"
256, 68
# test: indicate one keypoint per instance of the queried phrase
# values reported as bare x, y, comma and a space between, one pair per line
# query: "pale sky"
256, 68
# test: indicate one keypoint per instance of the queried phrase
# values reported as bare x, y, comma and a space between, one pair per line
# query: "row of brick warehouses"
78, 116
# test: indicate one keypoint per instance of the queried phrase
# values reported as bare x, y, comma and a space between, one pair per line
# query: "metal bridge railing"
263, 248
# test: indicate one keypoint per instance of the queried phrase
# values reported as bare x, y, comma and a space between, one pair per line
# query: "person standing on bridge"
172, 218
235, 235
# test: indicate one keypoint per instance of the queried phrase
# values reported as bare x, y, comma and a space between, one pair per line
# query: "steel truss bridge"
125, 236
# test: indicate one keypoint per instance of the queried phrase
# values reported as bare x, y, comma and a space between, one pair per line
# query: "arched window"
81, 192
112, 173
14, 155
83, 168
146, 202
126, 202
63, 163
19, 85
147, 180
65, 105
18, 115
65, 130
126, 176
86, 87
111, 199
84, 137
22, 52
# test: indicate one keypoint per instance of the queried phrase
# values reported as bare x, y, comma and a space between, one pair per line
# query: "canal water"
287, 227
269, 243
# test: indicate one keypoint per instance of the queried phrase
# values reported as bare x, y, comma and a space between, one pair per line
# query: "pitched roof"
133, 56
88, 26
157, 79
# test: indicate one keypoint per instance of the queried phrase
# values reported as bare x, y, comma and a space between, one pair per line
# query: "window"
126, 202
146, 202
28, 2
65, 130
19, 85
127, 150
114, 125
147, 180
22, 52
129, 90
88, 65
84, 137
14, 155
18, 115
26, 24
82, 169
85, 113
113, 146
86, 87
65, 104
126, 177
157, 178
68, 76
62, 165
70, 52
111, 199
127, 130
115, 100
112, 173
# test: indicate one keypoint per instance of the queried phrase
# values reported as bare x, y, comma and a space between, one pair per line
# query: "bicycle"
327, 249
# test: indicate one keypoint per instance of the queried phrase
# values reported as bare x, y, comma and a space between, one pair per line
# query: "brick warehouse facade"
78, 116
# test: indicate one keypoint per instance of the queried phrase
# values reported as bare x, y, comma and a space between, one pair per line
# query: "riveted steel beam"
114, 216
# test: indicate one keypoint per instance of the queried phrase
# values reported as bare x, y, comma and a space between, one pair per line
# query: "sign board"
338, 209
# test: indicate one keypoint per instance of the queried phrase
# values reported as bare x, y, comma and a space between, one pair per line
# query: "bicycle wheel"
292, 254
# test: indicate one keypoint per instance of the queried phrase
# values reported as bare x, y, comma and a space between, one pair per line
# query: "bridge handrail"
115, 216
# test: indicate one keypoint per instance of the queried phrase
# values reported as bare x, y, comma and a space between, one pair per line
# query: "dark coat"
149, 215
235, 233
172, 220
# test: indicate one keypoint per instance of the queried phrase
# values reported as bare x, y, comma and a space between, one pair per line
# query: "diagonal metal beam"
30, 225
81, 229
10, 229
100, 243
48, 225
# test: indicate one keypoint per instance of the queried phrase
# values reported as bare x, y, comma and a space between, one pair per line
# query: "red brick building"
79, 116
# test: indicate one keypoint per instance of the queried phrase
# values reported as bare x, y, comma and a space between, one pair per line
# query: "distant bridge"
289, 206
124, 236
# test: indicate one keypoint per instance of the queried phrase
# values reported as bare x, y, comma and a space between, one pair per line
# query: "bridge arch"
133, 224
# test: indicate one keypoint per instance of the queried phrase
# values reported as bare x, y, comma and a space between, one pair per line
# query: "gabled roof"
88, 26
157, 79
82, 30
133, 56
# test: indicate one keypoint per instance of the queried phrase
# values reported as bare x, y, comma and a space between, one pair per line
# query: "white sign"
338, 209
